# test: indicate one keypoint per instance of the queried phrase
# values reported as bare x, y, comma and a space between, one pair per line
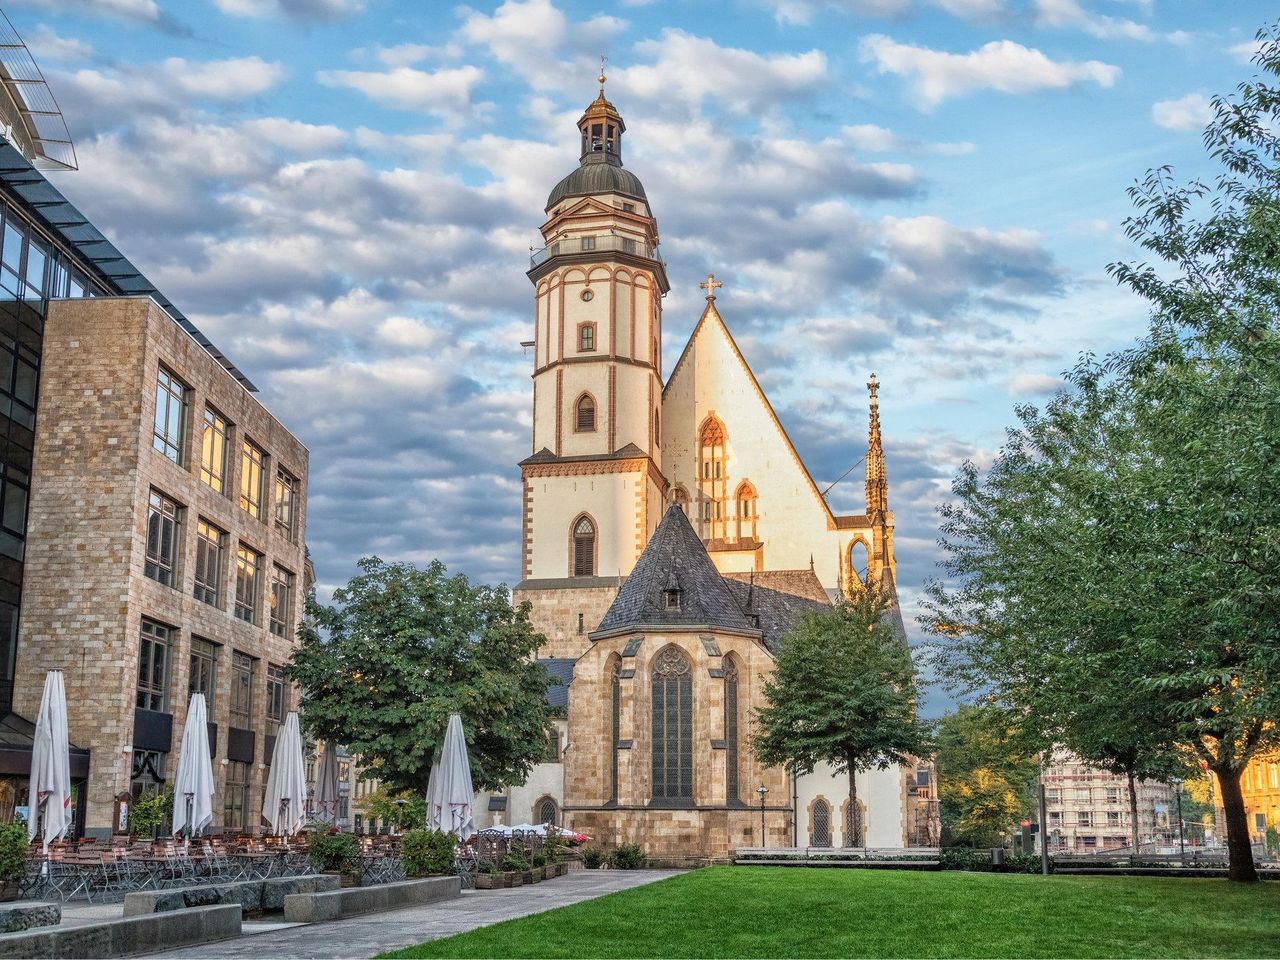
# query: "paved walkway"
376, 933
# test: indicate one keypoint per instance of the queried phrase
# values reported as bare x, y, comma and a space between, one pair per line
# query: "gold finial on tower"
710, 285
877, 483
600, 79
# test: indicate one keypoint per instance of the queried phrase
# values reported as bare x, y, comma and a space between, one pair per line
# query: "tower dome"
600, 166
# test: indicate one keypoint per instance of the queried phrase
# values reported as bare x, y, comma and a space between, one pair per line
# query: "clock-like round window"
587, 294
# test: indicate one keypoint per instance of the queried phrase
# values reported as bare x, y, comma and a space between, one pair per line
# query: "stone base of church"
678, 838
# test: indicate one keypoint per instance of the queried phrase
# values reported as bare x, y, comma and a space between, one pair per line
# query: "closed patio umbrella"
284, 803
50, 789
449, 793
193, 787
327, 784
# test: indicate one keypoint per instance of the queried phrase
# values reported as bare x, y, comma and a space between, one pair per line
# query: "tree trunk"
1133, 816
1239, 850
855, 818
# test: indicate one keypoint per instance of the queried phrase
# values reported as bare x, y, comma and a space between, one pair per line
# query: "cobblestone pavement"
376, 933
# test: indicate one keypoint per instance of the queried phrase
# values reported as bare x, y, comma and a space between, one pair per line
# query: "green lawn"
796, 912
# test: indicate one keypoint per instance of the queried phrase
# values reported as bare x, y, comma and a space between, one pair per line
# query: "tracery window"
820, 824
713, 477
585, 415
731, 730
584, 548
854, 838
672, 726
746, 499
615, 720
546, 812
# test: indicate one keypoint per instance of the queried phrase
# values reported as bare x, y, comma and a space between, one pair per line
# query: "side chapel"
671, 538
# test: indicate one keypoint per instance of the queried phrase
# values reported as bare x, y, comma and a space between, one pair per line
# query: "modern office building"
152, 511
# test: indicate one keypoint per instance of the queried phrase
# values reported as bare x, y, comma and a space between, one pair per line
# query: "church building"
672, 536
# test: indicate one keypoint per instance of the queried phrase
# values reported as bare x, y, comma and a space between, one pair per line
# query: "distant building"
1261, 788
1088, 808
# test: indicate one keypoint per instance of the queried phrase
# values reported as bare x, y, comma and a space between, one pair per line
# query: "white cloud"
1069, 14
868, 136
296, 136
303, 11
802, 11
1192, 112
973, 9
1030, 384
1244, 52
233, 79
741, 80
144, 10
47, 45
445, 92
1001, 65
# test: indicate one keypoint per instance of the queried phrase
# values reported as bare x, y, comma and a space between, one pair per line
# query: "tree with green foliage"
1115, 576
402, 649
406, 809
986, 775
842, 692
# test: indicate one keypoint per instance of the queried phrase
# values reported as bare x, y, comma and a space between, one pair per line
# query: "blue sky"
342, 194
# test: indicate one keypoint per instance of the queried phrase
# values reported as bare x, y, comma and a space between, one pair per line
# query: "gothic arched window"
584, 547
657, 432
746, 500
731, 730
820, 824
584, 420
859, 561
615, 724
713, 476
546, 811
854, 838
672, 726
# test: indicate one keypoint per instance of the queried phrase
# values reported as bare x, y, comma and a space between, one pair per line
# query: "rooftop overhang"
29, 115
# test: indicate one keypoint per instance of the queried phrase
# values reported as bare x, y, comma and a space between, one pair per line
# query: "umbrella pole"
190, 802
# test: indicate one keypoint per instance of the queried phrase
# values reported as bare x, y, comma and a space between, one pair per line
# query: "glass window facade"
215, 439
153, 666
277, 695
281, 602
171, 415
287, 505
211, 545
244, 671
164, 539
248, 583
253, 491
203, 677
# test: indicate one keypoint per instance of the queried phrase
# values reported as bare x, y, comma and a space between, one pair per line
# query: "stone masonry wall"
86, 593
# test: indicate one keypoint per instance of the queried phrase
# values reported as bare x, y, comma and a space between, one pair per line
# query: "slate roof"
779, 598
674, 555
597, 174
628, 452
561, 670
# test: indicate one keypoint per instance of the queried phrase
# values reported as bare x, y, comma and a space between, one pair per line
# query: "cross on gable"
710, 285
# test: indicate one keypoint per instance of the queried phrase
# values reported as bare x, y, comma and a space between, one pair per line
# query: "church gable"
729, 458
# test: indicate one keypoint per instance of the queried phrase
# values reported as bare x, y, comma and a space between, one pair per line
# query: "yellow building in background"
1261, 788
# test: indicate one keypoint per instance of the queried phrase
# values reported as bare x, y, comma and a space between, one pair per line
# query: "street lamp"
1182, 843
762, 790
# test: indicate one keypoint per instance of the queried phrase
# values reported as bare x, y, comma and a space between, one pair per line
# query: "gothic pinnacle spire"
877, 482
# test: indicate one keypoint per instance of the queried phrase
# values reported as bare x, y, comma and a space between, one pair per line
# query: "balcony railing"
607, 243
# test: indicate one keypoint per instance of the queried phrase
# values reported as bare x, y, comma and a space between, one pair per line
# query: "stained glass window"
731, 730
615, 693
672, 726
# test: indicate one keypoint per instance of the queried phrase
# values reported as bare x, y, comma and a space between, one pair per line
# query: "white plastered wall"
610, 499
880, 792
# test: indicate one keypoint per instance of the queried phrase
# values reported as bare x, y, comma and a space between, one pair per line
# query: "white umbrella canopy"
284, 803
50, 789
327, 784
193, 786
449, 793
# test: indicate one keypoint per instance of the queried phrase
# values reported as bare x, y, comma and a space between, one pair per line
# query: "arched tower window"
657, 429
731, 730
584, 420
672, 726
586, 337
859, 562
820, 824
745, 499
713, 477
584, 547
546, 811
682, 499
615, 723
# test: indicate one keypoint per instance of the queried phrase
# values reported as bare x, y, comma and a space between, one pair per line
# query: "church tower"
593, 489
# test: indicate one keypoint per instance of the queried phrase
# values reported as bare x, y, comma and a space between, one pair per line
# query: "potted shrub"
515, 867
489, 877
540, 868
149, 813
334, 852
428, 853
13, 859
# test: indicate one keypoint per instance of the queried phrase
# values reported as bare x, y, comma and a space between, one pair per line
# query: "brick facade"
86, 593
